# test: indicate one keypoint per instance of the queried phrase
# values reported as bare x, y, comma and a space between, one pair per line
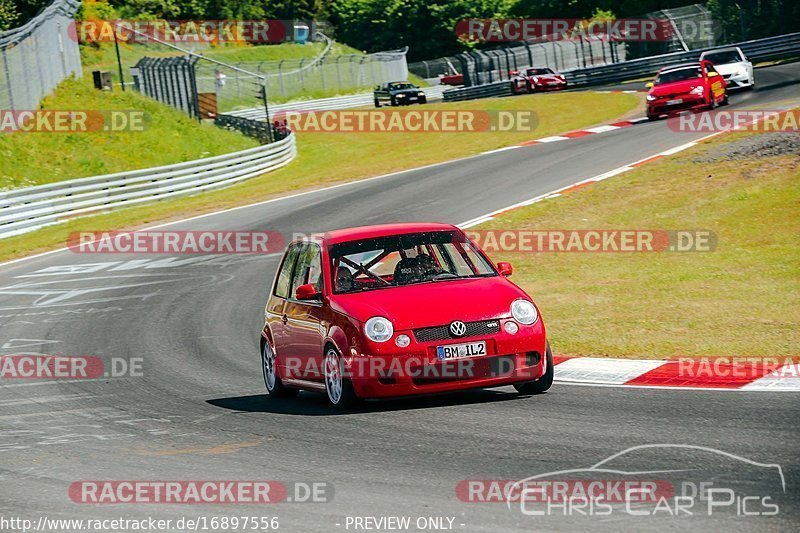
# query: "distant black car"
398, 93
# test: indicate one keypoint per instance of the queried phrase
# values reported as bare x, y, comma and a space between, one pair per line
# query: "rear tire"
275, 386
338, 388
543, 383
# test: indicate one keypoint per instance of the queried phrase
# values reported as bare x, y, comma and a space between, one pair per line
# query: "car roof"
726, 49
382, 230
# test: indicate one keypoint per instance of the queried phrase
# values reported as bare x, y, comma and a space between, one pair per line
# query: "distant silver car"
733, 65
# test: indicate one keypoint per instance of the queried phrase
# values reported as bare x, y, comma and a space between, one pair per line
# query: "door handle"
285, 319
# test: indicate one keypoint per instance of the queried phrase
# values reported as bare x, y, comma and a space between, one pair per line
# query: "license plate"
457, 351
676, 101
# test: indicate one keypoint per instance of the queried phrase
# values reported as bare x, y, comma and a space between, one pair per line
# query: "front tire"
338, 388
543, 383
275, 386
377, 103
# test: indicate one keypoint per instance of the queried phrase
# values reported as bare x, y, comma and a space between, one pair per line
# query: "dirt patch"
753, 147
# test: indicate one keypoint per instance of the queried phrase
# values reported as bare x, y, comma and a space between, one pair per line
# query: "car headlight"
651, 98
378, 329
524, 312
535, 79
420, 93
401, 96
697, 90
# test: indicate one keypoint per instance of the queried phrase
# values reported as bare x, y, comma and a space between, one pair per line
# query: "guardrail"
498, 88
23, 210
780, 47
325, 104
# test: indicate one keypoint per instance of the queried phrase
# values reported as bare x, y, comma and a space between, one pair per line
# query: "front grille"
440, 333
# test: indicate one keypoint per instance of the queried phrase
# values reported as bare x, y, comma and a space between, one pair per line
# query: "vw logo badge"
458, 328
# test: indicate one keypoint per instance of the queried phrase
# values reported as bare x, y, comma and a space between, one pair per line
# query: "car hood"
434, 303
730, 68
676, 87
547, 77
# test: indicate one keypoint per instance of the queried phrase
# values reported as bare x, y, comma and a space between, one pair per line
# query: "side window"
285, 276
309, 268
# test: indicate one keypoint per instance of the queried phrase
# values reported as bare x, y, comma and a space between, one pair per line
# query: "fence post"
8, 81
280, 77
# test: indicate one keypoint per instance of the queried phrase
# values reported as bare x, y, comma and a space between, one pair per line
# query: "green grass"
325, 159
102, 56
170, 137
740, 300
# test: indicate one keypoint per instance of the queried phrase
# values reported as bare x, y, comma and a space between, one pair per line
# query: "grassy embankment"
741, 299
323, 159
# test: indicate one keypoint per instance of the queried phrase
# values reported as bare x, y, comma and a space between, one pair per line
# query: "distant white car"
733, 65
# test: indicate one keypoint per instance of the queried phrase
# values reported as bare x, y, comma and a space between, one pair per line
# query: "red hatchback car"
399, 310
686, 88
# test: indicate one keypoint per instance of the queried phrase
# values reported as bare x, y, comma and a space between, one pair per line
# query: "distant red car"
398, 310
534, 79
689, 87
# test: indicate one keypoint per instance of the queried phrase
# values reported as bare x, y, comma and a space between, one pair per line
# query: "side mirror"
649, 85
504, 268
307, 292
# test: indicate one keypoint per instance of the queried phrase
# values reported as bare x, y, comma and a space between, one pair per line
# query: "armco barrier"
771, 48
498, 88
325, 104
781, 47
23, 210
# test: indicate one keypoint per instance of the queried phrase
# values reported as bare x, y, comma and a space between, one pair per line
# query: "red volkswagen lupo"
398, 310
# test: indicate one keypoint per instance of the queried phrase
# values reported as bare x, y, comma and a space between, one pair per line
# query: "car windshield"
401, 85
398, 260
539, 71
722, 58
680, 74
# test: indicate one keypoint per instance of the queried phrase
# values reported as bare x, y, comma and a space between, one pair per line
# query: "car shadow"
315, 404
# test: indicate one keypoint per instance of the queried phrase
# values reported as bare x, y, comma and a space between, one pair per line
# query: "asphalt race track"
199, 410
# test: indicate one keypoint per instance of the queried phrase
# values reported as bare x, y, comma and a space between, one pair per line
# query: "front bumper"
392, 371
550, 86
735, 81
690, 102
407, 100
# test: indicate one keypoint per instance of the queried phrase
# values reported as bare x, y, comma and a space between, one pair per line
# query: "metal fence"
28, 209
170, 80
487, 66
771, 48
319, 76
34, 58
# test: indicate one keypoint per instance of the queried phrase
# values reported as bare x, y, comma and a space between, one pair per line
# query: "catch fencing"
37, 56
487, 66
771, 48
31, 208
325, 74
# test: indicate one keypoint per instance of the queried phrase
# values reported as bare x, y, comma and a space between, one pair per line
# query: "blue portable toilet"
301, 33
